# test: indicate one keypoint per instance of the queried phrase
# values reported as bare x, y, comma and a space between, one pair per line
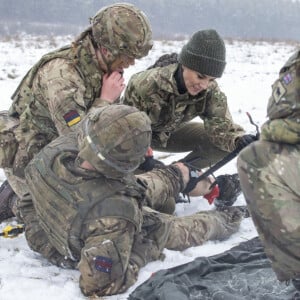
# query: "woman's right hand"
112, 86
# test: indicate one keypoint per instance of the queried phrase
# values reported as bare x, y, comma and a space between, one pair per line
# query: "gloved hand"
245, 140
150, 162
230, 189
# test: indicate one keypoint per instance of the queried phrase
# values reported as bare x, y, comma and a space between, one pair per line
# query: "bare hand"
112, 86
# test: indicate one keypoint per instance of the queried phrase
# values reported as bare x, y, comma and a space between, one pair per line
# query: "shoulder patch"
287, 78
103, 264
278, 91
72, 117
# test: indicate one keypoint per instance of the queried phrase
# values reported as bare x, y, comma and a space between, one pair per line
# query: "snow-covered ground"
251, 69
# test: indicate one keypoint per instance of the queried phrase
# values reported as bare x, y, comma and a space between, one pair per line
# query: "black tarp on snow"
243, 272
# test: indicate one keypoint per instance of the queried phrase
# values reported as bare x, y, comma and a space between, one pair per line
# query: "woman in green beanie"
178, 88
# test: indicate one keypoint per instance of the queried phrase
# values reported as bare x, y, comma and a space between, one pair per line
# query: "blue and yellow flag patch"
72, 118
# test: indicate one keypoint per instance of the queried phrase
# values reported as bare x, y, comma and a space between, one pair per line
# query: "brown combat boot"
7, 200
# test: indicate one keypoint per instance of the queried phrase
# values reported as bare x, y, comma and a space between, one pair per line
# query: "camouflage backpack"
165, 60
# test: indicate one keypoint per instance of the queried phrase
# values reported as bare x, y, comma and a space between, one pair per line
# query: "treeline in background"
170, 19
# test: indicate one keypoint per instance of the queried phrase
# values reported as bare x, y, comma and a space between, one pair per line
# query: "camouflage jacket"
155, 92
284, 105
74, 198
53, 97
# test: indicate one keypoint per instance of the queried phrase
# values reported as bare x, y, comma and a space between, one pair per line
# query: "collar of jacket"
87, 64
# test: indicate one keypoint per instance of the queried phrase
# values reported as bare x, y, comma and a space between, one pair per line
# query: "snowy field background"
252, 66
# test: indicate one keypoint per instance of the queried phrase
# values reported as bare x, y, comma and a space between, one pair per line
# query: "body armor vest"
80, 57
63, 205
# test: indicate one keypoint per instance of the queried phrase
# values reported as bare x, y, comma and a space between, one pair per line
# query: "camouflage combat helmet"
116, 135
123, 29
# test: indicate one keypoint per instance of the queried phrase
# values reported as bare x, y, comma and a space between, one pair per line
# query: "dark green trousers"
192, 137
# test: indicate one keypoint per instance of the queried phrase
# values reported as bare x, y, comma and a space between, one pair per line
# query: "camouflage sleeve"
284, 106
163, 188
61, 87
104, 262
113, 253
281, 131
218, 121
143, 92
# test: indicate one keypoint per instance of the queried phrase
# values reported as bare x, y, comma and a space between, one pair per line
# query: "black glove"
230, 189
149, 164
245, 140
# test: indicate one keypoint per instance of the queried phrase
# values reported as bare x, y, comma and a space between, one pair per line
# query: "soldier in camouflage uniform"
269, 171
175, 94
65, 84
73, 182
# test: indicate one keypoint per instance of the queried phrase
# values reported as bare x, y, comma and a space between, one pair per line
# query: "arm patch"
72, 117
279, 91
103, 264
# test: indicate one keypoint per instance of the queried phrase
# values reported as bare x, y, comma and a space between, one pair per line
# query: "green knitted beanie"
204, 53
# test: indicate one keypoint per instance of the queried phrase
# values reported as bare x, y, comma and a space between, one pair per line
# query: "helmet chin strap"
105, 59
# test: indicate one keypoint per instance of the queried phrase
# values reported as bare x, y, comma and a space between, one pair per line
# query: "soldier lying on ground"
86, 208
64, 85
269, 171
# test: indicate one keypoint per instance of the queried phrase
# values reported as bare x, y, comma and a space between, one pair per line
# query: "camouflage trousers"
269, 175
192, 137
